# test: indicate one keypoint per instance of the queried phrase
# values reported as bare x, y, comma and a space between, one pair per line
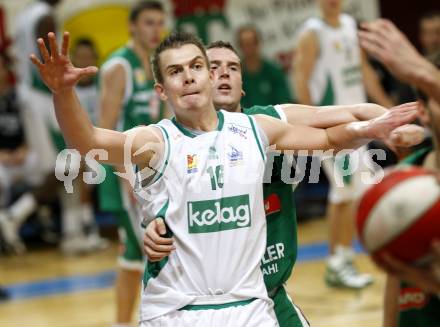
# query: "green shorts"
287, 313
111, 199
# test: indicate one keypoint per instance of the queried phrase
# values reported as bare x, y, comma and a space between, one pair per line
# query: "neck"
203, 120
230, 108
142, 53
332, 20
252, 64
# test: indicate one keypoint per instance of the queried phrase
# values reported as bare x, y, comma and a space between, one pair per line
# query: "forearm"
348, 136
427, 78
329, 116
74, 122
391, 306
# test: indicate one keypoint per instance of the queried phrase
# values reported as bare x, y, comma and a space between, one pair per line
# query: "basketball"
401, 215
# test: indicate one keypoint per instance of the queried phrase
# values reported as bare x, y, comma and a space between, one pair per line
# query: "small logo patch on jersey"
235, 156
272, 204
241, 131
210, 216
139, 76
191, 163
412, 298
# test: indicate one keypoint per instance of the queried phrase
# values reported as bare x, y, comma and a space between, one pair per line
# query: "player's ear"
243, 93
160, 91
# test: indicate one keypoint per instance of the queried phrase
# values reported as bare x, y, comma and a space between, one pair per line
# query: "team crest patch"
139, 76
191, 163
235, 156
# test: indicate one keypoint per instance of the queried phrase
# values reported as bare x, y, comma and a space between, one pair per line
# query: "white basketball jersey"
210, 194
337, 75
25, 38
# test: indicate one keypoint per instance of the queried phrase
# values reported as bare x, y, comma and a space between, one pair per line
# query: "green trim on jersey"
328, 99
167, 158
262, 110
417, 157
152, 269
185, 131
196, 307
254, 130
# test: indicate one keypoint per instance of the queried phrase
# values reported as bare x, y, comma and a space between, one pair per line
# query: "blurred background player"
329, 68
127, 100
264, 82
17, 160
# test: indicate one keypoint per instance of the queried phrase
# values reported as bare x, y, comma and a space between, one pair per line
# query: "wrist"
362, 129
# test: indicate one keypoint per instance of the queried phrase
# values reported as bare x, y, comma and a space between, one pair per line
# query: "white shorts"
258, 313
362, 175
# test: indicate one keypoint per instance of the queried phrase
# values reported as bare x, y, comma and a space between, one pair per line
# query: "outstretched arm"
383, 40
329, 116
61, 76
345, 136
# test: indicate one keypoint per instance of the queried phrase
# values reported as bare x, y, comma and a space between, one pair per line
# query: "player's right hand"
157, 247
56, 70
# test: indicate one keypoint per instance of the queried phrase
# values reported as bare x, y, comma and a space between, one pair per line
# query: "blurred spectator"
36, 21
17, 161
429, 38
264, 82
330, 69
429, 33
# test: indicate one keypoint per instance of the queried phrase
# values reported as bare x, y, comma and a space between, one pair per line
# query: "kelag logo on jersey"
191, 163
217, 215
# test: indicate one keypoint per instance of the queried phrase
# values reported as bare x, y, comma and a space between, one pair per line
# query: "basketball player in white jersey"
330, 69
211, 166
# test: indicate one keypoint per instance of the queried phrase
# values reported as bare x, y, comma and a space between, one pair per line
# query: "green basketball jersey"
281, 249
417, 308
141, 106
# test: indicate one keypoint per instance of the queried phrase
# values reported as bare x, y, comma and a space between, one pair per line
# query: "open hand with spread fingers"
56, 69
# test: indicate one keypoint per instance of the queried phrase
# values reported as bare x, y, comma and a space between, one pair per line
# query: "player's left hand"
383, 127
156, 246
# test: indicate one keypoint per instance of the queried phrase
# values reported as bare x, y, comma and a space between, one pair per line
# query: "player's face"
148, 28
430, 35
84, 56
226, 69
331, 7
187, 81
249, 44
